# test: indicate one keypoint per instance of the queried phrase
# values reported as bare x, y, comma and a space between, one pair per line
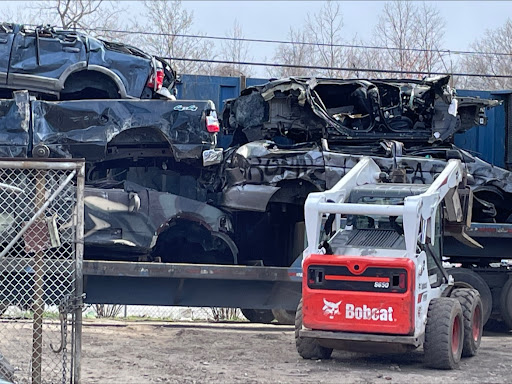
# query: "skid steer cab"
373, 278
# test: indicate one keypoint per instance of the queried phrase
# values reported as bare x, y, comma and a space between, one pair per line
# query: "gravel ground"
134, 352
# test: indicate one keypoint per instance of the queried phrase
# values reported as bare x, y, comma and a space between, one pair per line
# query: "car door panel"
39, 61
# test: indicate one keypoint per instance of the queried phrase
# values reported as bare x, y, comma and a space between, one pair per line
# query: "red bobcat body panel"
359, 294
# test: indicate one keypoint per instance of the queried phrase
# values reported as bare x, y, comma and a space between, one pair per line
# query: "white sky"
465, 20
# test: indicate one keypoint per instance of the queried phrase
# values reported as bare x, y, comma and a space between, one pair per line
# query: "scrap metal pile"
159, 188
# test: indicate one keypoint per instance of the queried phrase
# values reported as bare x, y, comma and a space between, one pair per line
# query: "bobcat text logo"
367, 313
330, 309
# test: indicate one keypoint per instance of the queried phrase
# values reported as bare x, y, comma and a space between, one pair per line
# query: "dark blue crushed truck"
57, 64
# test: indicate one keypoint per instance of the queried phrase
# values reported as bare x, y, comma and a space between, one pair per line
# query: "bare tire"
284, 316
472, 312
263, 316
308, 348
444, 333
506, 303
467, 276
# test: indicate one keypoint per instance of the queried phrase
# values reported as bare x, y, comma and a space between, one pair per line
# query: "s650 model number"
378, 284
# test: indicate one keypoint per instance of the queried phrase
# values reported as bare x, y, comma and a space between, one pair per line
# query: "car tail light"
156, 80
212, 123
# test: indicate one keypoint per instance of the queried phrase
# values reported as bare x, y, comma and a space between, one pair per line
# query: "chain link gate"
41, 283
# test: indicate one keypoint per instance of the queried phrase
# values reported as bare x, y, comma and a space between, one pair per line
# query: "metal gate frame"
67, 304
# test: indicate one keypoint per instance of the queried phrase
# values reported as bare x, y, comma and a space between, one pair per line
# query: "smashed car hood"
308, 109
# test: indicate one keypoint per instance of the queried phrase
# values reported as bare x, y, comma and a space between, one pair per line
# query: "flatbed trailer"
262, 287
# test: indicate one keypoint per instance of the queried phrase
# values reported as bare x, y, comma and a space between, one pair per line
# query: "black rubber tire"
444, 314
472, 309
263, 316
284, 316
475, 281
308, 348
506, 303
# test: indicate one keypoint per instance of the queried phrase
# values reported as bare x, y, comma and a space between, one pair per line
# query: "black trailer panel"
141, 283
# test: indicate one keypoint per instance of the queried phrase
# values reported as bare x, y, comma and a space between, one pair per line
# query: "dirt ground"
134, 352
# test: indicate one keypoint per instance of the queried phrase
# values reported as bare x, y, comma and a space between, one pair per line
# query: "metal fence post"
38, 297
79, 251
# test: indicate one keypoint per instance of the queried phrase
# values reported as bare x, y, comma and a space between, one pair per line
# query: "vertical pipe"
38, 297
79, 251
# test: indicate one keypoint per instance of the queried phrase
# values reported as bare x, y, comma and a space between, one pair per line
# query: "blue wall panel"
486, 141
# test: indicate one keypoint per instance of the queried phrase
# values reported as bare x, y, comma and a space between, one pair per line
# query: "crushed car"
117, 130
66, 65
130, 221
152, 156
298, 110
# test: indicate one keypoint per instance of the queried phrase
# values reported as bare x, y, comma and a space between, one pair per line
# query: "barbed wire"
358, 46
353, 69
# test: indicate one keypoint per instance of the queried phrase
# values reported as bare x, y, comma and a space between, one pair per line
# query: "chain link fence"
41, 231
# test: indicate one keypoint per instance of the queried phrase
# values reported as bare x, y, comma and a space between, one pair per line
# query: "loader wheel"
471, 304
464, 275
284, 316
263, 316
308, 348
444, 333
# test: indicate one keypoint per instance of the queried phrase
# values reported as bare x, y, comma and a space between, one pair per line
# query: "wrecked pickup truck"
297, 110
159, 148
66, 65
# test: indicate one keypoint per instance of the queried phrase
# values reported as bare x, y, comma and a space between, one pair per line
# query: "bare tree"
412, 34
363, 60
170, 21
323, 31
96, 17
325, 28
294, 54
396, 29
235, 50
494, 41
430, 34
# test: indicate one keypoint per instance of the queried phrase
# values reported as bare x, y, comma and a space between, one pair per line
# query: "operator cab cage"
381, 235
373, 230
